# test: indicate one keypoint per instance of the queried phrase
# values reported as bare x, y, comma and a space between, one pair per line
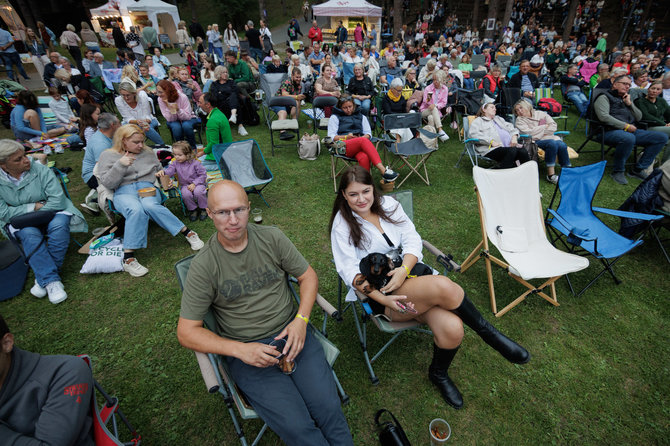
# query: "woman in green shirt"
656, 112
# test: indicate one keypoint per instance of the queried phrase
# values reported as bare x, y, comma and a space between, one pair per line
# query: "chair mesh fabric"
242, 162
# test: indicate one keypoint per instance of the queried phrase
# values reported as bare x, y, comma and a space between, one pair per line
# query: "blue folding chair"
347, 72
577, 228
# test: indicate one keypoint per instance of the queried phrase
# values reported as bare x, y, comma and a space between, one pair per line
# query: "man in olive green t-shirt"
240, 275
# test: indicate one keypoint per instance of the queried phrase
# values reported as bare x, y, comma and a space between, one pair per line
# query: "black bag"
530, 147
35, 219
390, 434
13, 270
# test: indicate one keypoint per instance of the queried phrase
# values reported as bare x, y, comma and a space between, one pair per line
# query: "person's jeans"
184, 129
138, 210
624, 142
468, 83
303, 408
47, 257
14, 59
256, 54
153, 134
364, 105
218, 51
553, 148
580, 100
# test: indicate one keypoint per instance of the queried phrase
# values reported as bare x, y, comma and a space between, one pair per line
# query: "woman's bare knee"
447, 328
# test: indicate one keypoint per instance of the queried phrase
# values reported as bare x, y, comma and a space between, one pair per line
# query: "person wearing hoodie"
43, 399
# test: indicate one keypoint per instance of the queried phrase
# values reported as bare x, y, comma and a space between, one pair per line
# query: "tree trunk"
508, 13
567, 29
475, 16
191, 4
397, 17
493, 12
283, 7
261, 9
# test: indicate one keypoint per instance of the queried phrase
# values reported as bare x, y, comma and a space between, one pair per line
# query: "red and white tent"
350, 12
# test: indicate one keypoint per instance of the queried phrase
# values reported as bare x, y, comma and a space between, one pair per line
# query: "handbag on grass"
35, 219
390, 434
309, 147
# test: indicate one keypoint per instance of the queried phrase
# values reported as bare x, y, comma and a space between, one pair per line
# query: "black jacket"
515, 80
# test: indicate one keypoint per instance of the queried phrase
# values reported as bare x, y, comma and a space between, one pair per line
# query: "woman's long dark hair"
356, 174
86, 119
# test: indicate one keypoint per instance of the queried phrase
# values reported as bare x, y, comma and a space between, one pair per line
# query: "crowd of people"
424, 69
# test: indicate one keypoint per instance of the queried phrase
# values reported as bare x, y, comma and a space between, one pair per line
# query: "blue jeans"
138, 211
552, 148
291, 405
256, 54
468, 83
183, 129
580, 100
14, 59
218, 51
624, 142
153, 134
48, 258
364, 105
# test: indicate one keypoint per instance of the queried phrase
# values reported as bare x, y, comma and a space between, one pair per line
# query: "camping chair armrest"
384, 139
207, 371
626, 214
475, 140
562, 133
446, 260
326, 306
427, 134
569, 227
525, 135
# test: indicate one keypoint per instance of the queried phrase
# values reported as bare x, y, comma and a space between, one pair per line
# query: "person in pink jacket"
435, 98
177, 111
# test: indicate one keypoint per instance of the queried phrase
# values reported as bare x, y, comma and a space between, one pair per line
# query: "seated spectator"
618, 115
351, 57
492, 84
656, 70
349, 135
57, 416
131, 76
389, 72
315, 57
326, 85
541, 127
435, 97
217, 129
62, 111
656, 113
641, 79
606, 83
160, 59
88, 121
370, 65
244, 330
192, 62
135, 108
600, 75
188, 86
497, 138
251, 63
666, 85
395, 102
97, 143
525, 81
624, 61
99, 64
240, 73
290, 88
571, 87
177, 111
27, 121
84, 97
27, 186
466, 68
207, 72
426, 73
411, 83
126, 168
156, 70
192, 179
225, 95
149, 82
51, 67
276, 66
361, 89
305, 71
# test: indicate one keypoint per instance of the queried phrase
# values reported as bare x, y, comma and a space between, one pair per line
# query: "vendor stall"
350, 12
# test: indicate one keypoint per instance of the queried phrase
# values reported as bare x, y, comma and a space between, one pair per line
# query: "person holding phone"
364, 222
619, 116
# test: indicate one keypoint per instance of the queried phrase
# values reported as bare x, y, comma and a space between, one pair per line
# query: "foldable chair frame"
217, 376
469, 147
482, 250
336, 169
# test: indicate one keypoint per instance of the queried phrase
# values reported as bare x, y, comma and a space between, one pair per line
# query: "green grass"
599, 369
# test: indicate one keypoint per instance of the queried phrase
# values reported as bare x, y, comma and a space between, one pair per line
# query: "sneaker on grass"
133, 267
37, 290
389, 175
241, 130
56, 292
193, 240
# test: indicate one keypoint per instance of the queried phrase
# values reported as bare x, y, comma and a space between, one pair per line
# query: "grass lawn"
599, 372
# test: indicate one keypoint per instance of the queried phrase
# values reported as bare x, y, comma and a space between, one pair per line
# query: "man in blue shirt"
9, 55
316, 57
99, 142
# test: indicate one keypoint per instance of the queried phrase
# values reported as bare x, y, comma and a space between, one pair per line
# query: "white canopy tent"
351, 12
163, 16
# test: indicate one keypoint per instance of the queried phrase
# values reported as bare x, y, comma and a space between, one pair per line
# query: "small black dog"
375, 267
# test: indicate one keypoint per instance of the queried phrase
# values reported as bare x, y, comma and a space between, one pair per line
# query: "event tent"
164, 16
350, 12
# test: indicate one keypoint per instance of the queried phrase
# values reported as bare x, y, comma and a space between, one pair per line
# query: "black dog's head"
375, 267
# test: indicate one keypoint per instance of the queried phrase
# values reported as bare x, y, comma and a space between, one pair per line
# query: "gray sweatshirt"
114, 174
46, 400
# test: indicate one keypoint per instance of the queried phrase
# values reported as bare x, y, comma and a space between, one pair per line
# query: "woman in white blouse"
363, 222
135, 108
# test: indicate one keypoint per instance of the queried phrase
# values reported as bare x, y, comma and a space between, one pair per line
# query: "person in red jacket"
492, 83
315, 34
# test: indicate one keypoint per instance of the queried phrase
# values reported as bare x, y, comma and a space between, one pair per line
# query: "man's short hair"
98, 54
639, 73
296, 70
107, 120
619, 78
231, 53
208, 98
4, 329
250, 23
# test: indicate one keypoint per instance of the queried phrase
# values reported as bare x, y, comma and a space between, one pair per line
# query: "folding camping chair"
574, 224
243, 162
317, 114
270, 83
217, 377
478, 60
469, 145
510, 212
405, 198
347, 72
413, 153
106, 418
338, 164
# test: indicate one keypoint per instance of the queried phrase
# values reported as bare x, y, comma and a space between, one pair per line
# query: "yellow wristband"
304, 318
406, 269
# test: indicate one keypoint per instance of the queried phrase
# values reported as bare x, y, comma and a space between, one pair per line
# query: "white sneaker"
133, 267
233, 119
38, 291
56, 292
443, 136
242, 131
193, 240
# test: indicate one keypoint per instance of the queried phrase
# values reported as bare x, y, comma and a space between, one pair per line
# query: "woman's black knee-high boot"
471, 317
437, 373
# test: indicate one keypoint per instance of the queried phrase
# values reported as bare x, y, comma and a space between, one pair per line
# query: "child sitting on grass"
192, 179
